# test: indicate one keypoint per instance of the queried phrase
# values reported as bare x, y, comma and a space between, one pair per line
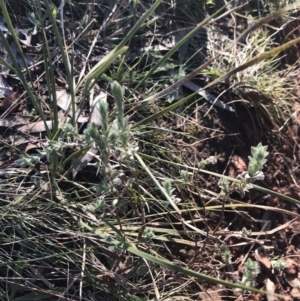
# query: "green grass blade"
101, 66
7, 65
242, 36
35, 296
98, 70
174, 49
140, 22
256, 187
13, 32
121, 48
168, 264
256, 60
16, 285
50, 79
169, 199
164, 111
24, 82
66, 61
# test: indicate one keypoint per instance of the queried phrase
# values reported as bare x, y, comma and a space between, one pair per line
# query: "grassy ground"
149, 150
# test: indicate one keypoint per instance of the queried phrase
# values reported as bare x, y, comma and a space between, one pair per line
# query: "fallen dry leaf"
261, 257
27, 36
31, 146
239, 163
64, 100
5, 89
12, 121
87, 158
270, 288
95, 116
6, 102
37, 127
295, 293
210, 295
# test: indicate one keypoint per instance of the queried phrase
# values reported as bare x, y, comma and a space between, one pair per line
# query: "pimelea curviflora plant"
113, 141
254, 172
225, 254
250, 271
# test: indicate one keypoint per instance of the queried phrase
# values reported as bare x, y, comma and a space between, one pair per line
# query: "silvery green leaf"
124, 139
117, 181
99, 205
44, 152
238, 291
115, 202
148, 233
69, 130
177, 200
245, 232
113, 136
212, 160
103, 110
28, 161
130, 181
258, 176
247, 187
258, 159
118, 173
183, 175
101, 188
279, 264
224, 185
118, 94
